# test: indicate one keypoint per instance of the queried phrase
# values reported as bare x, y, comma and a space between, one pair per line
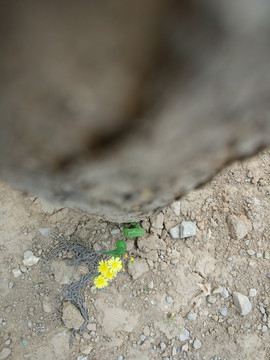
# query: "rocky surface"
204, 297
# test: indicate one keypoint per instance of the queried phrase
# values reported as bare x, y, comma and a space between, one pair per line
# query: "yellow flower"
110, 275
103, 267
100, 282
126, 255
115, 264
131, 259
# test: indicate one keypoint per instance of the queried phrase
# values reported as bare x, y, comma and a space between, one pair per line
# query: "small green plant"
108, 269
169, 318
133, 230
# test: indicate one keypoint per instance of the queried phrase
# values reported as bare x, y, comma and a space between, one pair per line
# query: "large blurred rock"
117, 108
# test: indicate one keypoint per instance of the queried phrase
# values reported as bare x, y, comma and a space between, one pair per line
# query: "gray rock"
223, 311
242, 303
184, 335
4, 354
150, 284
239, 226
162, 346
250, 252
120, 357
225, 294
211, 299
16, 272
71, 317
197, 344
187, 229
259, 255
142, 338
175, 232
252, 292
169, 300
192, 316
115, 231
262, 310
44, 231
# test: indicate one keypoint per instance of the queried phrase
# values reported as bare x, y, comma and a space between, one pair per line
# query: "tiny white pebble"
252, 292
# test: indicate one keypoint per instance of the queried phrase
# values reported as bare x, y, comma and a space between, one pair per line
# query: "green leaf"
133, 230
121, 247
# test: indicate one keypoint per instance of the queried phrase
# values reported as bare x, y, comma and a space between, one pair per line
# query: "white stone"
4, 354
242, 303
187, 229
219, 290
252, 292
16, 272
185, 347
250, 252
197, 344
115, 231
29, 258
192, 316
175, 232
184, 335
44, 231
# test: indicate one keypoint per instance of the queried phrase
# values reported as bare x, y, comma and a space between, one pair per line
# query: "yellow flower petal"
115, 264
103, 267
100, 282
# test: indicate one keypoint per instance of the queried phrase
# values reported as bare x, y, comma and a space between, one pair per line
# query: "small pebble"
120, 357
142, 338
262, 310
211, 299
185, 347
10, 284
250, 252
169, 300
175, 232
184, 335
115, 231
187, 229
16, 272
259, 255
252, 292
264, 328
225, 294
223, 311
197, 344
192, 316
162, 346
4, 354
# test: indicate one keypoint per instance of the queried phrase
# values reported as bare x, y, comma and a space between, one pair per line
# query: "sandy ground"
155, 309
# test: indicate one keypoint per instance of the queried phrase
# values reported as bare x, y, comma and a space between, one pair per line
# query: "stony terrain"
204, 296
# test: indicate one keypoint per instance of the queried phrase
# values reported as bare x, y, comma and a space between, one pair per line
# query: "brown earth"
146, 311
